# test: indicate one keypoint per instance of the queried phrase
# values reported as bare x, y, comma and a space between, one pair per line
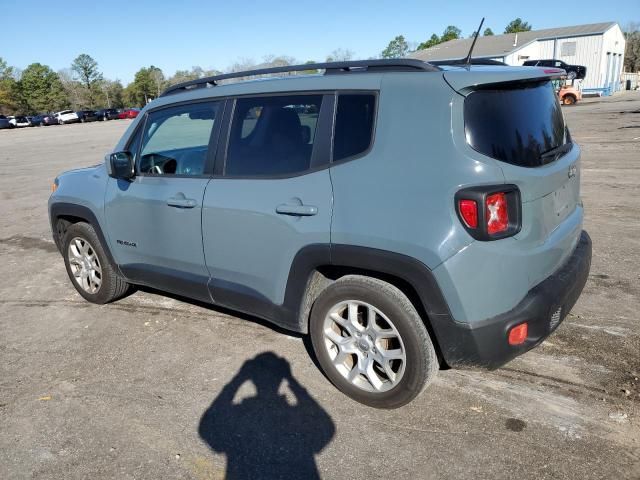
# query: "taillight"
490, 212
469, 212
497, 215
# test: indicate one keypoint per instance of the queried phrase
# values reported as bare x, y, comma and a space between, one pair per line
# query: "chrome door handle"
181, 202
297, 210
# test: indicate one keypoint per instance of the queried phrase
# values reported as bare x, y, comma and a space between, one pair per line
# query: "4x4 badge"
572, 170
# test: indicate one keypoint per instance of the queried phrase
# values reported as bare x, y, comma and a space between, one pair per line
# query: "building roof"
502, 45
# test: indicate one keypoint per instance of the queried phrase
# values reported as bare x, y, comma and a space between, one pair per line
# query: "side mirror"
122, 165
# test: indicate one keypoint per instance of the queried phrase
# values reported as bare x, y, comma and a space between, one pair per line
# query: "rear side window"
272, 135
516, 124
176, 140
355, 116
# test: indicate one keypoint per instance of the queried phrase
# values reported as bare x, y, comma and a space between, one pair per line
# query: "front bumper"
485, 344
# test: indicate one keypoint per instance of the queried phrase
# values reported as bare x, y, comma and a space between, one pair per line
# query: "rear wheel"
88, 266
371, 342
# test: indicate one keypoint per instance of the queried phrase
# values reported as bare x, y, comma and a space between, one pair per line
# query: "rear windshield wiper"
556, 151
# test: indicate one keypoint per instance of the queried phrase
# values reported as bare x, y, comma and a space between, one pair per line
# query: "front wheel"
371, 342
88, 266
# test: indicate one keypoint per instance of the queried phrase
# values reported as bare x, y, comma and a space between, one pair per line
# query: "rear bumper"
484, 344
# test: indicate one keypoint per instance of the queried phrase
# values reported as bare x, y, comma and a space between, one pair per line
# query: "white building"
598, 46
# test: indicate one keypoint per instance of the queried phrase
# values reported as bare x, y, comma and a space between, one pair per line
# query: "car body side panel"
489, 278
400, 196
247, 245
84, 187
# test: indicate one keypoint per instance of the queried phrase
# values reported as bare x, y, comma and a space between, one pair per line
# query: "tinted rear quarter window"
515, 123
355, 118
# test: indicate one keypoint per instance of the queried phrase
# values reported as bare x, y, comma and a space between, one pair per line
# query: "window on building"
568, 49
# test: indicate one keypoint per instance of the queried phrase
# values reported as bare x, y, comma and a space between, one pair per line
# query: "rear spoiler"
465, 80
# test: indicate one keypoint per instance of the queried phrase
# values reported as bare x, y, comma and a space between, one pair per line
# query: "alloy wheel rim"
364, 346
85, 266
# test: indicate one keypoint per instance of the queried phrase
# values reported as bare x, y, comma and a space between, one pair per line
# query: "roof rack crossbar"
396, 65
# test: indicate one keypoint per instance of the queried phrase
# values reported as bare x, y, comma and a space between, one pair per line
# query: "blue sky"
126, 35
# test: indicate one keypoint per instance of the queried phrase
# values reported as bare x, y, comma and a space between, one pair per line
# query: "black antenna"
467, 60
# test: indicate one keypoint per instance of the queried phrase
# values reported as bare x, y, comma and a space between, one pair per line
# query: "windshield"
516, 123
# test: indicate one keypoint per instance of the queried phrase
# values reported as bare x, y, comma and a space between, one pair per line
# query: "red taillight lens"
518, 334
469, 212
496, 213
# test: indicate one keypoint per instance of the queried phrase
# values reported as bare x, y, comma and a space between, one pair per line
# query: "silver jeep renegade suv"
404, 215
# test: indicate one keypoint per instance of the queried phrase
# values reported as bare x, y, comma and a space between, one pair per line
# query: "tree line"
400, 47
39, 89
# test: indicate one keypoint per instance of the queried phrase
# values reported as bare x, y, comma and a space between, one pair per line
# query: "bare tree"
340, 55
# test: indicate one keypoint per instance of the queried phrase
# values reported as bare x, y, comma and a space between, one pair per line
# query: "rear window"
516, 124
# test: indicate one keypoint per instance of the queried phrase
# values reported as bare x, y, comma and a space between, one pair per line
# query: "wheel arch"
61, 215
308, 278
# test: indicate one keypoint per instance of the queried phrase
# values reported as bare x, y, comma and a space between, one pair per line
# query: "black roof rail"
396, 65
464, 61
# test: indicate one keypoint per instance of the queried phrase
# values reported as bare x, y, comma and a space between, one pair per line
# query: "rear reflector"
469, 212
497, 216
518, 334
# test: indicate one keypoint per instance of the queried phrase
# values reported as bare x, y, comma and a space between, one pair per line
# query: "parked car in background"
49, 119
129, 113
87, 116
4, 122
66, 116
574, 72
19, 121
36, 120
105, 114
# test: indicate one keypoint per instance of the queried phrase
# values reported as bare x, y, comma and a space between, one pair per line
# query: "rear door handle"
181, 201
297, 210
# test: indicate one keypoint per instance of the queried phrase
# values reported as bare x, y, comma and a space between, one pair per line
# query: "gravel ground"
136, 389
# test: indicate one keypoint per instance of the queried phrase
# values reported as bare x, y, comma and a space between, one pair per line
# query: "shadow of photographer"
265, 435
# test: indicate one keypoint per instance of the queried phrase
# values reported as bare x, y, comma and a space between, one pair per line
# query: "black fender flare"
406, 268
62, 209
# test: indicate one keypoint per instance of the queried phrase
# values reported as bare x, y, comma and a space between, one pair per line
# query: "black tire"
571, 75
421, 359
569, 100
113, 286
